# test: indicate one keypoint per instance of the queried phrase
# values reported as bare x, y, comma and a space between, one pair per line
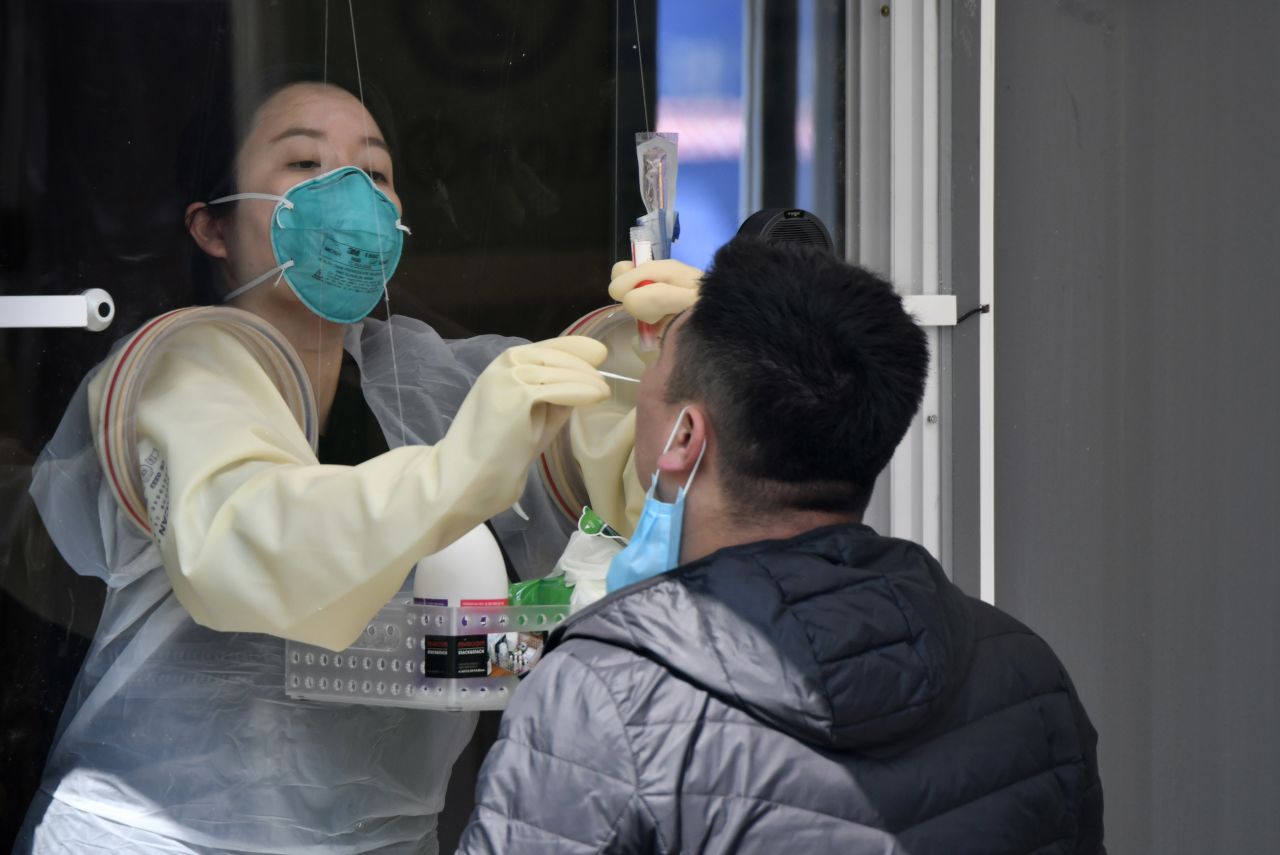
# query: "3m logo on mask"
350, 268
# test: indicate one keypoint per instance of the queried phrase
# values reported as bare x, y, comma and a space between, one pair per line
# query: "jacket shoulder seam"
1045, 771
1026, 633
536, 750
517, 821
706, 628
787, 805
826, 692
631, 751
1001, 709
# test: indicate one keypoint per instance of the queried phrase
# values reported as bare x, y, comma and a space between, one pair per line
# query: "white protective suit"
177, 735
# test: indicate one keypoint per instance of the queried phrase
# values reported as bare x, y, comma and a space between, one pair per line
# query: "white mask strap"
259, 280
694, 470
266, 197
675, 429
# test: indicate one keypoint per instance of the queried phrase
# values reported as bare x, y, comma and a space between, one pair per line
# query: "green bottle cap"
592, 524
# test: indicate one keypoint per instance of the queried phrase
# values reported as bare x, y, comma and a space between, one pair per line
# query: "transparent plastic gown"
180, 738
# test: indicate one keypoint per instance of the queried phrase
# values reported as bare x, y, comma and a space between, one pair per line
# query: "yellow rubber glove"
673, 287
603, 442
603, 436
260, 537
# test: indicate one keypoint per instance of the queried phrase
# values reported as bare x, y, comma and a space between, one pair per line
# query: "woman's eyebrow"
315, 134
310, 133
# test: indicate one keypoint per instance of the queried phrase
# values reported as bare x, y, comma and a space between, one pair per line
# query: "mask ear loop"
257, 280
253, 283
675, 429
266, 197
694, 471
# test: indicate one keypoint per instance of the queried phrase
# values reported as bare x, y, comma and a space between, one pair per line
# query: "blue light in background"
700, 98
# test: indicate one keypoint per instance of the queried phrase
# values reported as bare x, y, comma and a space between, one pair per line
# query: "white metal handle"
931, 310
92, 310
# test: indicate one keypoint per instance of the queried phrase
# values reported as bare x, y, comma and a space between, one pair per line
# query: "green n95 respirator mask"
337, 239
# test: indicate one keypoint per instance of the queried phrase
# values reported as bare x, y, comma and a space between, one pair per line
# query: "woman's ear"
206, 230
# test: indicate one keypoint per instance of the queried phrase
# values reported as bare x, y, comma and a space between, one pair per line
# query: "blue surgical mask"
337, 239
655, 546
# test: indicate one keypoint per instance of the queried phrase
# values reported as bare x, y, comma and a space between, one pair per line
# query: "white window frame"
893, 225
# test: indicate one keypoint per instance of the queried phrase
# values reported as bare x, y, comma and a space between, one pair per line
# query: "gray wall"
1138, 395
958, 176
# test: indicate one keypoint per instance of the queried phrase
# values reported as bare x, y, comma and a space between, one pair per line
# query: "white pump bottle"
468, 572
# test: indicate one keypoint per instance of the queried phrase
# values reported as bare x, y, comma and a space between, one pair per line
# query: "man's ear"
693, 434
206, 230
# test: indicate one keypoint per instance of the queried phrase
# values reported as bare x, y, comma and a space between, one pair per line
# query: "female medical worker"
178, 736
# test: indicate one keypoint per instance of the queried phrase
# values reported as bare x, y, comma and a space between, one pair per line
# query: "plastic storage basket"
389, 665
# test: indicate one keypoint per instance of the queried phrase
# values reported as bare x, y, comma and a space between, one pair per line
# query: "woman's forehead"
328, 109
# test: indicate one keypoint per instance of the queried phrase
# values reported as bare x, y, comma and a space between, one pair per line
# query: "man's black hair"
811, 369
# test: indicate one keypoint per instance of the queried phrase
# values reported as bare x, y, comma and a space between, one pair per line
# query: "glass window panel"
504, 123
510, 128
700, 78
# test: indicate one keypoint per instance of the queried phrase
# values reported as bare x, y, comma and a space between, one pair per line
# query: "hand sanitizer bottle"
469, 573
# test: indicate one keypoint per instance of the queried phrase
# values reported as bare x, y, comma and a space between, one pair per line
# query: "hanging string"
644, 98
386, 293
324, 71
617, 56
319, 354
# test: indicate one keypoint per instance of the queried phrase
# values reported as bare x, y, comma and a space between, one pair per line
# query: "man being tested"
768, 673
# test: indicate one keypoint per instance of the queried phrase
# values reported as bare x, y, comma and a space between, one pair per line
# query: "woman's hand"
656, 289
525, 395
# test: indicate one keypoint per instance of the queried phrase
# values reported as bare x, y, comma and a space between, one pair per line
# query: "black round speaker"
788, 225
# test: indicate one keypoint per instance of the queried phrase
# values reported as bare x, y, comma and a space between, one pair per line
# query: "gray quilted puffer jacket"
829, 693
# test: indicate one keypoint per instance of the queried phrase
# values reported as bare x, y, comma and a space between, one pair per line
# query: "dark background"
514, 123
